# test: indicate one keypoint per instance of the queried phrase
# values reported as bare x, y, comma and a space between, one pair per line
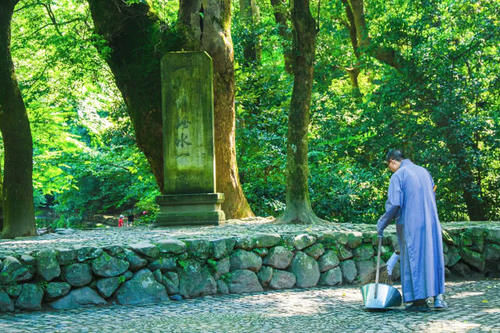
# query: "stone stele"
189, 196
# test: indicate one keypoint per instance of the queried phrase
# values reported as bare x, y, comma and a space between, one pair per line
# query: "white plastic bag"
392, 262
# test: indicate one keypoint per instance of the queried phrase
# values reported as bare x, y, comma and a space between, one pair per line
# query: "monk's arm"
390, 212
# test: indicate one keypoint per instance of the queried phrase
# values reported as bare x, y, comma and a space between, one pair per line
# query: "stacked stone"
174, 269
472, 249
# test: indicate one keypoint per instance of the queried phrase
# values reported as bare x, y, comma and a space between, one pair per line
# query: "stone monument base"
190, 209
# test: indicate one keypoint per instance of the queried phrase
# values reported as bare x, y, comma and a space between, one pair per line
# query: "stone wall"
171, 269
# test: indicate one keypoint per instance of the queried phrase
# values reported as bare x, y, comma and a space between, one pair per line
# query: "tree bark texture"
282, 16
354, 71
471, 189
138, 41
134, 36
15, 128
211, 32
385, 55
250, 17
298, 205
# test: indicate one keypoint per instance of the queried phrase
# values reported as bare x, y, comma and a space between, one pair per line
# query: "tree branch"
52, 17
385, 55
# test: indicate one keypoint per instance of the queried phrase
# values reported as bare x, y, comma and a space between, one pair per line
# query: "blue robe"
411, 200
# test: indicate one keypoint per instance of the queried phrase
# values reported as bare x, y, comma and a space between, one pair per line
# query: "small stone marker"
189, 196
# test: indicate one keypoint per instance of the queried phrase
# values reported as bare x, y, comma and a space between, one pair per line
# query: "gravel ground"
474, 307
70, 238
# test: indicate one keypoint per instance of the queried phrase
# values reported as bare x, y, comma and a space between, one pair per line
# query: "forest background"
84, 149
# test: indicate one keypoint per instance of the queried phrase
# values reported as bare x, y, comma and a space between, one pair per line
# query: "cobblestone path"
474, 307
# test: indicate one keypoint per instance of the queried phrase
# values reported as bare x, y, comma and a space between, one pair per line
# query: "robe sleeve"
392, 205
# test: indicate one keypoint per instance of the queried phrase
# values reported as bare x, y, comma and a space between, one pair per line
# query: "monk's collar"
405, 162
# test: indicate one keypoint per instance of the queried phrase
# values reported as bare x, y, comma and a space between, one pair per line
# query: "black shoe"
418, 307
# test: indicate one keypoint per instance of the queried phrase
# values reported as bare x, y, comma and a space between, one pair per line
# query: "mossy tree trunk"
136, 41
250, 16
206, 25
298, 205
133, 50
19, 216
476, 207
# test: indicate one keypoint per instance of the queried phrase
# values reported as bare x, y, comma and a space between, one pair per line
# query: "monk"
411, 201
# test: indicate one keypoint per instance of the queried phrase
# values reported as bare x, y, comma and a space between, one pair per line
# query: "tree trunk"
15, 128
211, 32
475, 206
282, 15
385, 55
136, 41
250, 17
298, 206
133, 50
354, 71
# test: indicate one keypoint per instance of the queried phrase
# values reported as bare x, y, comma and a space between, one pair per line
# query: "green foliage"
85, 157
182, 263
259, 251
335, 249
386, 256
452, 75
442, 108
286, 245
43, 284
212, 263
226, 277
261, 139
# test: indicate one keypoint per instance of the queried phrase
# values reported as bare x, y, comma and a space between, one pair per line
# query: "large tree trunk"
475, 206
298, 206
133, 34
18, 145
211, 32
250, 17
136, 41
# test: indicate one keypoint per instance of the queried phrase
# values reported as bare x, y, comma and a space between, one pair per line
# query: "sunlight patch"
467, 294
449, 326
